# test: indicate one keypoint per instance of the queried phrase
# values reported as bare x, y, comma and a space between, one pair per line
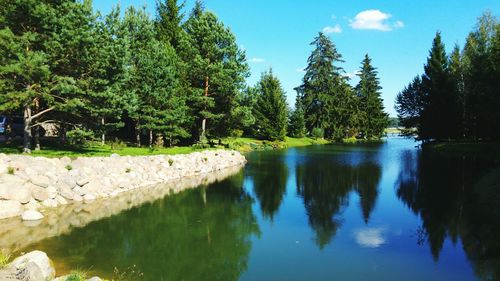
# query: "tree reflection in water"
456, 197
202, 234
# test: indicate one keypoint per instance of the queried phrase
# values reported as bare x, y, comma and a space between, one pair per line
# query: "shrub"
10, 170
318, 133
205, 159
77, 275
170, 162
236, 133
128, 170
117, 144
79, 136
69, 167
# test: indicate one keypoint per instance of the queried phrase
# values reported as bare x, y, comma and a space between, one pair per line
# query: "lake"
386, 211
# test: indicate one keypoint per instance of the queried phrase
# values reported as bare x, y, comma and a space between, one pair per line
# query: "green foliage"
457, 97
328, 99
170, 162
318, 133
4, 258
77, 275
297, 125
128, 170
79, 136
372, 118
68, 167
271, 110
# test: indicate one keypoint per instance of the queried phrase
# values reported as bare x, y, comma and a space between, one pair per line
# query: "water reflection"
325, 187
269, 182
456, 197
202, 234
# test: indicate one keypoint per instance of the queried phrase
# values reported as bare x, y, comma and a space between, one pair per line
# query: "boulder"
19, 193
52, 192
10, 208
39, 193
40, 180
67, 193
34, 266
31, 215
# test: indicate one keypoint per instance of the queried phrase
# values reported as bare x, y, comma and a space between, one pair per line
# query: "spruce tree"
408, 104
297, 125
438, 109
271, 110
374, 120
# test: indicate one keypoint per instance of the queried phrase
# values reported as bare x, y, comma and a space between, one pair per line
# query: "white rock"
10, 208
32, 205
81, 181
19, 193
40, 180
39, 193
52, 192
34, 266
31, 215
89, 198
61, 200
50, 203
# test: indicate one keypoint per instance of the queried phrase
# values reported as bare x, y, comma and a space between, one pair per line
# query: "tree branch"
42, 112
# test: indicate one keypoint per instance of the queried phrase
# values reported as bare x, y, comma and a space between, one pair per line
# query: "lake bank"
30, 184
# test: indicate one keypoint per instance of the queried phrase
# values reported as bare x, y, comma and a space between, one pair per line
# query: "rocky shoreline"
31, 185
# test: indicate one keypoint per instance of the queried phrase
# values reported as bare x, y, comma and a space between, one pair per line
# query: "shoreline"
31, 185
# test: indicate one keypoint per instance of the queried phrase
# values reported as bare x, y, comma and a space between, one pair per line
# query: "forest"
175, 78
457, 97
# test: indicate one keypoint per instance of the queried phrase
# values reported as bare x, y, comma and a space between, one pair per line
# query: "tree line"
457, 97
176, 78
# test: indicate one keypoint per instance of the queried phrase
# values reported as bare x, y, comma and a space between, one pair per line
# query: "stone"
31, 215
40, 180
34, 266
67, 193
10, 208
19, 193
88, 198
32, 205
77, 198
39, 193
50, 203
61, 200
81, 181
52, 192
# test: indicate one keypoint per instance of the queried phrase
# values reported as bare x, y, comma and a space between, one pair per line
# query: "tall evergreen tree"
297, 125
217, 70
271, 110
169, 22
374, 120
327, 97
438, 120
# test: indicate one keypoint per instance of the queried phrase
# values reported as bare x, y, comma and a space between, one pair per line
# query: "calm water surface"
373, 212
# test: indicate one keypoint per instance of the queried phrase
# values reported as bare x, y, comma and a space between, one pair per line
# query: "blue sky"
397, 34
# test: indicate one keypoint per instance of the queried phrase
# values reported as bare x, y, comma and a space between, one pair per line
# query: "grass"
10, 170
4, 258
77, 275
95, 149
251, 144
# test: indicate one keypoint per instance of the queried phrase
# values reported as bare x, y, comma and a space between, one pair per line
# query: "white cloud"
370, 237
332, 29
374, 20
257, 60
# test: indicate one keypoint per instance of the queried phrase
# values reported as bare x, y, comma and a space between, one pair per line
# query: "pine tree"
217, 69
408, 104
439, 110
271, 110
169, 22
374, 120
297, 125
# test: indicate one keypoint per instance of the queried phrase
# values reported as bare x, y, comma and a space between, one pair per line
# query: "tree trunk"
37, 138
137, 134
27, 129
204, 121
103, 136
150, 138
